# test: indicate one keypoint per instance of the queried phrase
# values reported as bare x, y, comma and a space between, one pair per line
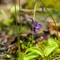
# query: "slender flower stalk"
36, 25
50, 16
18, 36
34, 11
17, 31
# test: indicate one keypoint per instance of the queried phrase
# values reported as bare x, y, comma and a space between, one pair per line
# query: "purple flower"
36, 26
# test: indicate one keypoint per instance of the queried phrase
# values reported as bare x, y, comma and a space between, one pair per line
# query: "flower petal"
37, 26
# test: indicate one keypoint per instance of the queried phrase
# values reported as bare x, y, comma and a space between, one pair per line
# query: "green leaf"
49, 49
21, 57
52, 45
52, 41
7, 22
36, 50
7, 56
13, 8
30, 56
23, 46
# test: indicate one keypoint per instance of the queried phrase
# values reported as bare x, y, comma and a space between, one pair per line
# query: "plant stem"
34, 14
17, 29
51, 17
34, 11
18, 38
19, 33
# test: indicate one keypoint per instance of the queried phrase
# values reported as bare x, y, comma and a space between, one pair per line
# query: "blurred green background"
48, 3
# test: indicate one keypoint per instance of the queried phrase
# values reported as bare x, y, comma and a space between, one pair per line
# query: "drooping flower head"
36, 26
